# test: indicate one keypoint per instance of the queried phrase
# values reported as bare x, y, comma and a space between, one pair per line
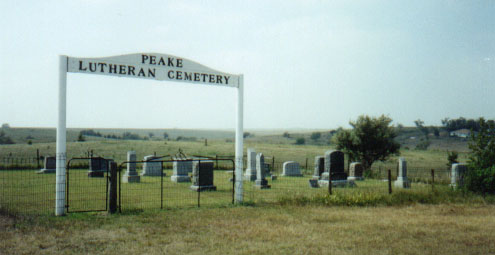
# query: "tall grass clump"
397, 198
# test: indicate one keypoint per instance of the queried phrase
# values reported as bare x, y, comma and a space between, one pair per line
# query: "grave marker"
97, 167
334, 169
291, 168
203, 176
250, 174
355, 172
261, 182
319, 167
49, 166
131, 174
151, 167
402, 181
181, 168
458, 172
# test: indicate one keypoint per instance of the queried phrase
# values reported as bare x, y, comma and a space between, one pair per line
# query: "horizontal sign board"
153, 66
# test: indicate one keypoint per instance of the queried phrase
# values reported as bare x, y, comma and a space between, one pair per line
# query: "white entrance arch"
153, 66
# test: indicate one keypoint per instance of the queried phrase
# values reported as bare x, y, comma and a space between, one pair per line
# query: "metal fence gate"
87, 184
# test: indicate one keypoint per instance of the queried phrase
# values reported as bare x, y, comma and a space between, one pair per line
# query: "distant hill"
408, 137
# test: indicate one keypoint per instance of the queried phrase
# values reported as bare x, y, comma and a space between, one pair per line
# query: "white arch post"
152, 66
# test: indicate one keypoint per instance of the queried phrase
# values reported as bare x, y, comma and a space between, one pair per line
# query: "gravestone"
261, 182
131, 174
458, 172
313, 183
319, 167
97, 167
202, 176
334, 169
250, 174
180, 171
291, 168
152, 167
50, 166
402, 181
355, 172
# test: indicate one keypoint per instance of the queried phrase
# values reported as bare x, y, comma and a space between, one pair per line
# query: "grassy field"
159, 216
413, 229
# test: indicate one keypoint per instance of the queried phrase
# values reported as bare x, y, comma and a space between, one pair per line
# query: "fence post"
389, 181
306, 164
273, 164
38, 157
112, 193
432, 179
216, 160
329, 184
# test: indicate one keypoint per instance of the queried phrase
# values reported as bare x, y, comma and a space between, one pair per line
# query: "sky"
306, 64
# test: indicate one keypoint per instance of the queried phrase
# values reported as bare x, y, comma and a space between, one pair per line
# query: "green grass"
28, 192
413, 229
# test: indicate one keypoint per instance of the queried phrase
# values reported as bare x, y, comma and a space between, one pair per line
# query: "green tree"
315, 136
452, 158
420, 125
165, 135
481, 169
370, 139
300, 141
80, 138
4, 139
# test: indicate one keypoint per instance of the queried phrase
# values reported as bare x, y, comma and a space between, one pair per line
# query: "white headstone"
458, 172
402, 181
151, 167
355, 171
261, 181
291, 168
181, 170
131, 174
250, 174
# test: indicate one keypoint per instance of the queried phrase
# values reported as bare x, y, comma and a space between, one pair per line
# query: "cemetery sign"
152, 66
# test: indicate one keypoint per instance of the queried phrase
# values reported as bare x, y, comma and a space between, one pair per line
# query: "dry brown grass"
417, 229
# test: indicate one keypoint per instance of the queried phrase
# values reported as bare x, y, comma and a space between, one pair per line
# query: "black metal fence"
166, 191
23, 190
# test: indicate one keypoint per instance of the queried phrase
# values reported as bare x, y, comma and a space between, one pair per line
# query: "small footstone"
313, 183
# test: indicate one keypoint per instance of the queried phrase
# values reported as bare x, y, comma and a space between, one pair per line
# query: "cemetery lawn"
416, 229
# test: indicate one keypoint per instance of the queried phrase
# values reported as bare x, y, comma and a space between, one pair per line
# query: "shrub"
481, 169
300, 141
423, 145
315, 135
452, 158
481, 180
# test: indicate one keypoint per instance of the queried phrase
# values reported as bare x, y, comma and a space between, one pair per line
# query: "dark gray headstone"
50, 166
202, 176
313, 183
319, 167
50, 163
97, 167
334, 165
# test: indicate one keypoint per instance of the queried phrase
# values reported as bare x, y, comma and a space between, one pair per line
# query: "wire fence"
24, 190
